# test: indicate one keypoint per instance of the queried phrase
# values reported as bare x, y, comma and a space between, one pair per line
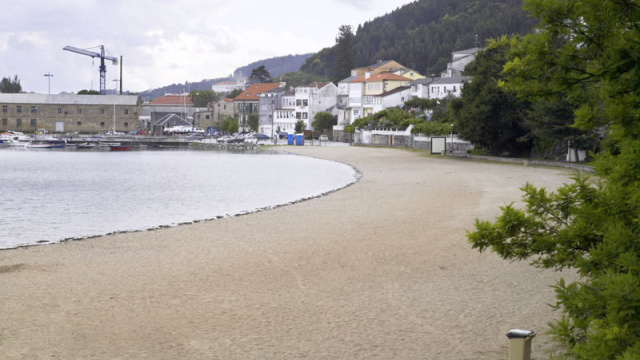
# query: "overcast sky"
164, 42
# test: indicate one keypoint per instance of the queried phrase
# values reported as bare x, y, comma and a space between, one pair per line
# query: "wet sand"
378, 270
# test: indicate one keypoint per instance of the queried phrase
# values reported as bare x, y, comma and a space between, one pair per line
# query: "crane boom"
93, 54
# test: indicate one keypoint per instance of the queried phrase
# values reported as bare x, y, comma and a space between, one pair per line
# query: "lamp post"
49, 75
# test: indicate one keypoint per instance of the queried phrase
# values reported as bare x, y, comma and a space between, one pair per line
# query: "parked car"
324, 138
262, 136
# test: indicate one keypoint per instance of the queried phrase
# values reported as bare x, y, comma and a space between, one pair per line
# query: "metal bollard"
520, 344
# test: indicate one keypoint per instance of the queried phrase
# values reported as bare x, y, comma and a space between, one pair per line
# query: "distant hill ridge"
420, 35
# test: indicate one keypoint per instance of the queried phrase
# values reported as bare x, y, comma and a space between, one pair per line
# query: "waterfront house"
247, 103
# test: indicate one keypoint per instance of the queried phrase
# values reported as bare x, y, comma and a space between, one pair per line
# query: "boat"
40, 145
120, 147
14, 139
85, 146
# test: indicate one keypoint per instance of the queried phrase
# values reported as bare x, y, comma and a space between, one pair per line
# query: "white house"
460, 59
228, 86
395, 97
314, 98
447, 86
420, 88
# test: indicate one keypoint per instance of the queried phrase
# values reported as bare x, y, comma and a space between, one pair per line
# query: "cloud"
164, 42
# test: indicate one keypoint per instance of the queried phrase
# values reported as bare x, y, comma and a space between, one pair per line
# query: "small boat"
120, 147
85, 146
40, 145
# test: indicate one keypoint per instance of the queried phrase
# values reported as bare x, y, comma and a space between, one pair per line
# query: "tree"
585, 51
253, 122
89, 92
489, 117
234, 93
345, 57
229, 124
9, 86
323, 121
203, 98
260, 75
300, 126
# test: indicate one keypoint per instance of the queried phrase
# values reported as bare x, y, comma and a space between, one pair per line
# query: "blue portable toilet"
290, 139
300, 139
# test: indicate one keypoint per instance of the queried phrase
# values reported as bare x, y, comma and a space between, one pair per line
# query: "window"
298, 115
79, 111
305, 102
19, 109
207, 117
4, 108
59, 110
126, 124
18, 122
305, 115
126, 111
4, 122
79, 123
102, 112
33, 109
33, 122
102, 124
298, 102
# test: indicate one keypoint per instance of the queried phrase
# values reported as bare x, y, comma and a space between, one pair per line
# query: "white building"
447, 86
314, 98
224, 87
460, 59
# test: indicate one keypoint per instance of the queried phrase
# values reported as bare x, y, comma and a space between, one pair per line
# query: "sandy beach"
378, 270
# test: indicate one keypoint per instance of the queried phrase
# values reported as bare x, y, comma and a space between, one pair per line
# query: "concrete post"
520, 344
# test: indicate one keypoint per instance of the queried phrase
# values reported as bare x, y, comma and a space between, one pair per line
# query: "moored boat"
120, 147
40, 145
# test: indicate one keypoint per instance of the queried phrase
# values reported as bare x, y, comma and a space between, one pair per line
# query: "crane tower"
102, 56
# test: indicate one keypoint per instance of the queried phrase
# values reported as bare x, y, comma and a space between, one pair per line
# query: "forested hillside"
422, 35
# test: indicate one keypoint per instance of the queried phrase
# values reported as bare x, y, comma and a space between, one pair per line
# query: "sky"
164, 42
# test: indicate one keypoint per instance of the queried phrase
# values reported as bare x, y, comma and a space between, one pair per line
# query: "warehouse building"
68, 113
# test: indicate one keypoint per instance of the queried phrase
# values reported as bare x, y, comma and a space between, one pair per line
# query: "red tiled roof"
253, 92
173, 100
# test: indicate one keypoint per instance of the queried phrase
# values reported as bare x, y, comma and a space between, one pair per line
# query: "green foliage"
345, 57
9, 86
324, 121
421, 35
233, 93
229, 125
88, 92
301, 78
387, 118
253, 122
584, 54
260, 75
300, 126
203, 98
488, 116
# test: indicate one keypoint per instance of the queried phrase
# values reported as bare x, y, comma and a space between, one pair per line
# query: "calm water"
49, 196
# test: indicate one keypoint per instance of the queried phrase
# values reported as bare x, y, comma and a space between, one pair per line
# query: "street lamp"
49, 75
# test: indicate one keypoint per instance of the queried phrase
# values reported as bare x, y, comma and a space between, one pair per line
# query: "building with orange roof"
248, 103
